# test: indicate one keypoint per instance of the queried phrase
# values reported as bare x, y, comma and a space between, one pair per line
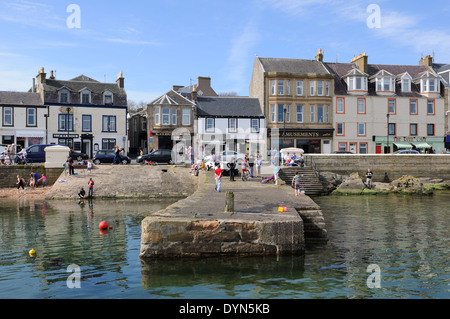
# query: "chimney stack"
52, 77
194, 93
41, 76
361, 62
319, 55
426, 61
120, 80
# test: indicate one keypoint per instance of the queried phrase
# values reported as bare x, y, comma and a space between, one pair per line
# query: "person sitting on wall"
82, 193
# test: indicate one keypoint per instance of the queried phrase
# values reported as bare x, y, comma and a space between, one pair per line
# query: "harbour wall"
8, 174
386, 167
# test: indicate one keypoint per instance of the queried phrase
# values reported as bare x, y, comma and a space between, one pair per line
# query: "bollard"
229, 202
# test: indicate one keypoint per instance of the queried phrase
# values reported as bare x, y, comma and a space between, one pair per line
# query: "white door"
326, 146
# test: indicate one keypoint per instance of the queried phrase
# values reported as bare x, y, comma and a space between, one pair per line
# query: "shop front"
423, 144
312, 141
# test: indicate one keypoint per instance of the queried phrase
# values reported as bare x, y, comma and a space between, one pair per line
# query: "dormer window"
429, 85
384, 82
405, 82
64, 96
357, 81
107, 97
85, 96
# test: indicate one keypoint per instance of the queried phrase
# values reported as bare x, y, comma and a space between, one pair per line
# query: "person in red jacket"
218, 176
91, 188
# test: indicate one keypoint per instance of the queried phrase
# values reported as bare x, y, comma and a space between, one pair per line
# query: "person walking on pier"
275, 173
218, 177
296, 183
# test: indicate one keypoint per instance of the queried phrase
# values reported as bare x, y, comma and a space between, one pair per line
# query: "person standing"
89, 166
251, 163
71, 168
91, 188
20, 183
258, 166
218, 177
116, 155
369, 175
276, 170
232, 166
296, 183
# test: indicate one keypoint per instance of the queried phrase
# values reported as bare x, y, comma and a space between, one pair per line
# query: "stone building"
83, 113
296, 98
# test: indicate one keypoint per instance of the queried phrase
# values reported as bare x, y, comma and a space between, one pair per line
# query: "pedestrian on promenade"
116, 155
296, 183
91, 188
232, 166
369, 175
258, 166
276, 170
251, 163
70, 164
244, 166
218, 177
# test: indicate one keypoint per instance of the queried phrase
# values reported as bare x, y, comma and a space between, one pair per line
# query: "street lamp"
284, 123
68, 115
387, 136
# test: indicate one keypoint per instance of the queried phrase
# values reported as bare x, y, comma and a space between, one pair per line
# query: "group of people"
118, 152
33, 181
292, 159
82, 192
9, 156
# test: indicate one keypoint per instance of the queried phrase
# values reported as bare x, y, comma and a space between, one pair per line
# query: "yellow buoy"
32, 252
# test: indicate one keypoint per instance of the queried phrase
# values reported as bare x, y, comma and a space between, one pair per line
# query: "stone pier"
199, 225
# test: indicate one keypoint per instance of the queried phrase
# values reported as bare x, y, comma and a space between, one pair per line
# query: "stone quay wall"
8, 174
386, 167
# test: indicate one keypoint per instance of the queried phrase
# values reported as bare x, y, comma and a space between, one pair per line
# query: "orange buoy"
110, 227
103, 225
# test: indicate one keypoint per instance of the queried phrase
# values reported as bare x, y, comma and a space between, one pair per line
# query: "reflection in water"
406, 236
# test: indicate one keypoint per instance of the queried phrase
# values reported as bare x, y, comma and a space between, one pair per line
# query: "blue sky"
157, 44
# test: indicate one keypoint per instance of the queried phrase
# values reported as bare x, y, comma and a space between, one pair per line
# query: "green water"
407, 237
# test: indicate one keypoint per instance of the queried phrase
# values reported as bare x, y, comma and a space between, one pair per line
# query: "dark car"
158, 156
342, 152
406, 152
107, 156
78, 156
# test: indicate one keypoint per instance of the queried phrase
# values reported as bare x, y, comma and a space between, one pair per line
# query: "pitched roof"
20, 98
81, 82
221, 106
293, 66
341, 69
171, 98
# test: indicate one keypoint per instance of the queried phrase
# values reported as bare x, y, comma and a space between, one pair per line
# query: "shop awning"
30, 133
406, 146
422, 145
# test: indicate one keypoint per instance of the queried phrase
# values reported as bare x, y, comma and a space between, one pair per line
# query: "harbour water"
406, 237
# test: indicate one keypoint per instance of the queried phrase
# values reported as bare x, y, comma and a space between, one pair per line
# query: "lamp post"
68, 129
387, 136
284, 123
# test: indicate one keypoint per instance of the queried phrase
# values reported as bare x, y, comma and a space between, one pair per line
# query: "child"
43, 179
20, 183
218, 176
296, 183
89, 167
275, 173
91, 188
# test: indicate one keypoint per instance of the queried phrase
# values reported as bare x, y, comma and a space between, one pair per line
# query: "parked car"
78, 156
226, 156
406, 152
342, 152
107, 156
157, 156
36, 153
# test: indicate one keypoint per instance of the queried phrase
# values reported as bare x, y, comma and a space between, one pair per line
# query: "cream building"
384, 108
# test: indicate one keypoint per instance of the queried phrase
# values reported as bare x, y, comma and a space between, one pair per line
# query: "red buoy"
103, 225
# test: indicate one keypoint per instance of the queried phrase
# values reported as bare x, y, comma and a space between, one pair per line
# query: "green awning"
406, 146
422, 145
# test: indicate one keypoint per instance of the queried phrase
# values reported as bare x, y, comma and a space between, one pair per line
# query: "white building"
230, 123
23, 119
84, 114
